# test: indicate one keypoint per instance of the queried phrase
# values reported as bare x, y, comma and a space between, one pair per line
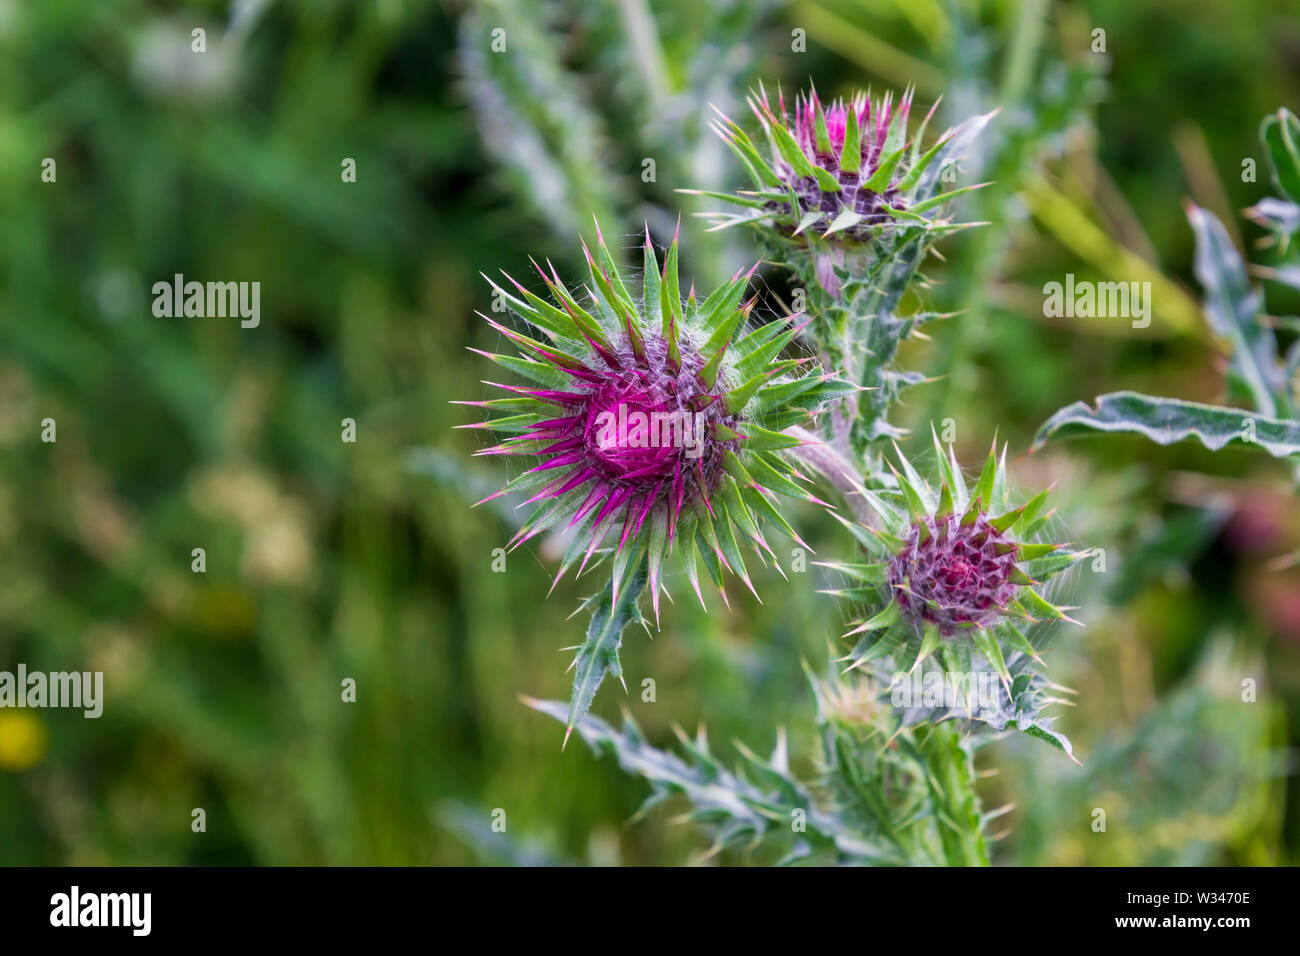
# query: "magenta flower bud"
865, 125
837, 172
954, 575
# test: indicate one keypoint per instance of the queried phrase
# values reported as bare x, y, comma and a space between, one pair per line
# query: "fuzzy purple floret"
623, 475
874, 120
956, 578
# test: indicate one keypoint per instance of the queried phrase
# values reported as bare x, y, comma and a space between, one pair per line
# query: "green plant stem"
952, 791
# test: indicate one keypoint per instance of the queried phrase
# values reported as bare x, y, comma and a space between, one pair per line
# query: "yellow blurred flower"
22, 741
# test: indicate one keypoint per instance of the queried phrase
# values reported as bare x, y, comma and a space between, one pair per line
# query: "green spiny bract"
657, 420
957, 570
843, 183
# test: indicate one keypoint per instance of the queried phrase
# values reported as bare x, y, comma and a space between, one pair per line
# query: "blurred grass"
328, 561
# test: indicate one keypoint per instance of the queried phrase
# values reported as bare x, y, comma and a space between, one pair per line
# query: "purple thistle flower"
657, 422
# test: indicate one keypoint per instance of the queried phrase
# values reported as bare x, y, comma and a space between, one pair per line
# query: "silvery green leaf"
1233, 310
735, 809
1169, 420
472, 825
1276, 215
1287, 275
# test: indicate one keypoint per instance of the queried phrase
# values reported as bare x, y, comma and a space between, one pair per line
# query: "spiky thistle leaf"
758, 800
597, 656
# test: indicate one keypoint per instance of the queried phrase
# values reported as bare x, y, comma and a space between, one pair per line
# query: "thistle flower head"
955, 564
654, 420
845, 168
848, 140
842, 179
953, 575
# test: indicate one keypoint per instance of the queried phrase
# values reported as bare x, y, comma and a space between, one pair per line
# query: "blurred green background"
328, 560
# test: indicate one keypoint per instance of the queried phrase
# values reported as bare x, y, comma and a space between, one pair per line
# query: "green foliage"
736, 810
883, 794
1234, 312
1194, 773
1168, 420
1281, 135
573, 141
535, 118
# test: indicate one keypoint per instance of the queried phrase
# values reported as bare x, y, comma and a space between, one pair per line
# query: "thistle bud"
954, 565
842, 168
841, 180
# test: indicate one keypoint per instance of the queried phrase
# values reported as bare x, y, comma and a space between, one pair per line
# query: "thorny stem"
859, 331
853, 297
952, 789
